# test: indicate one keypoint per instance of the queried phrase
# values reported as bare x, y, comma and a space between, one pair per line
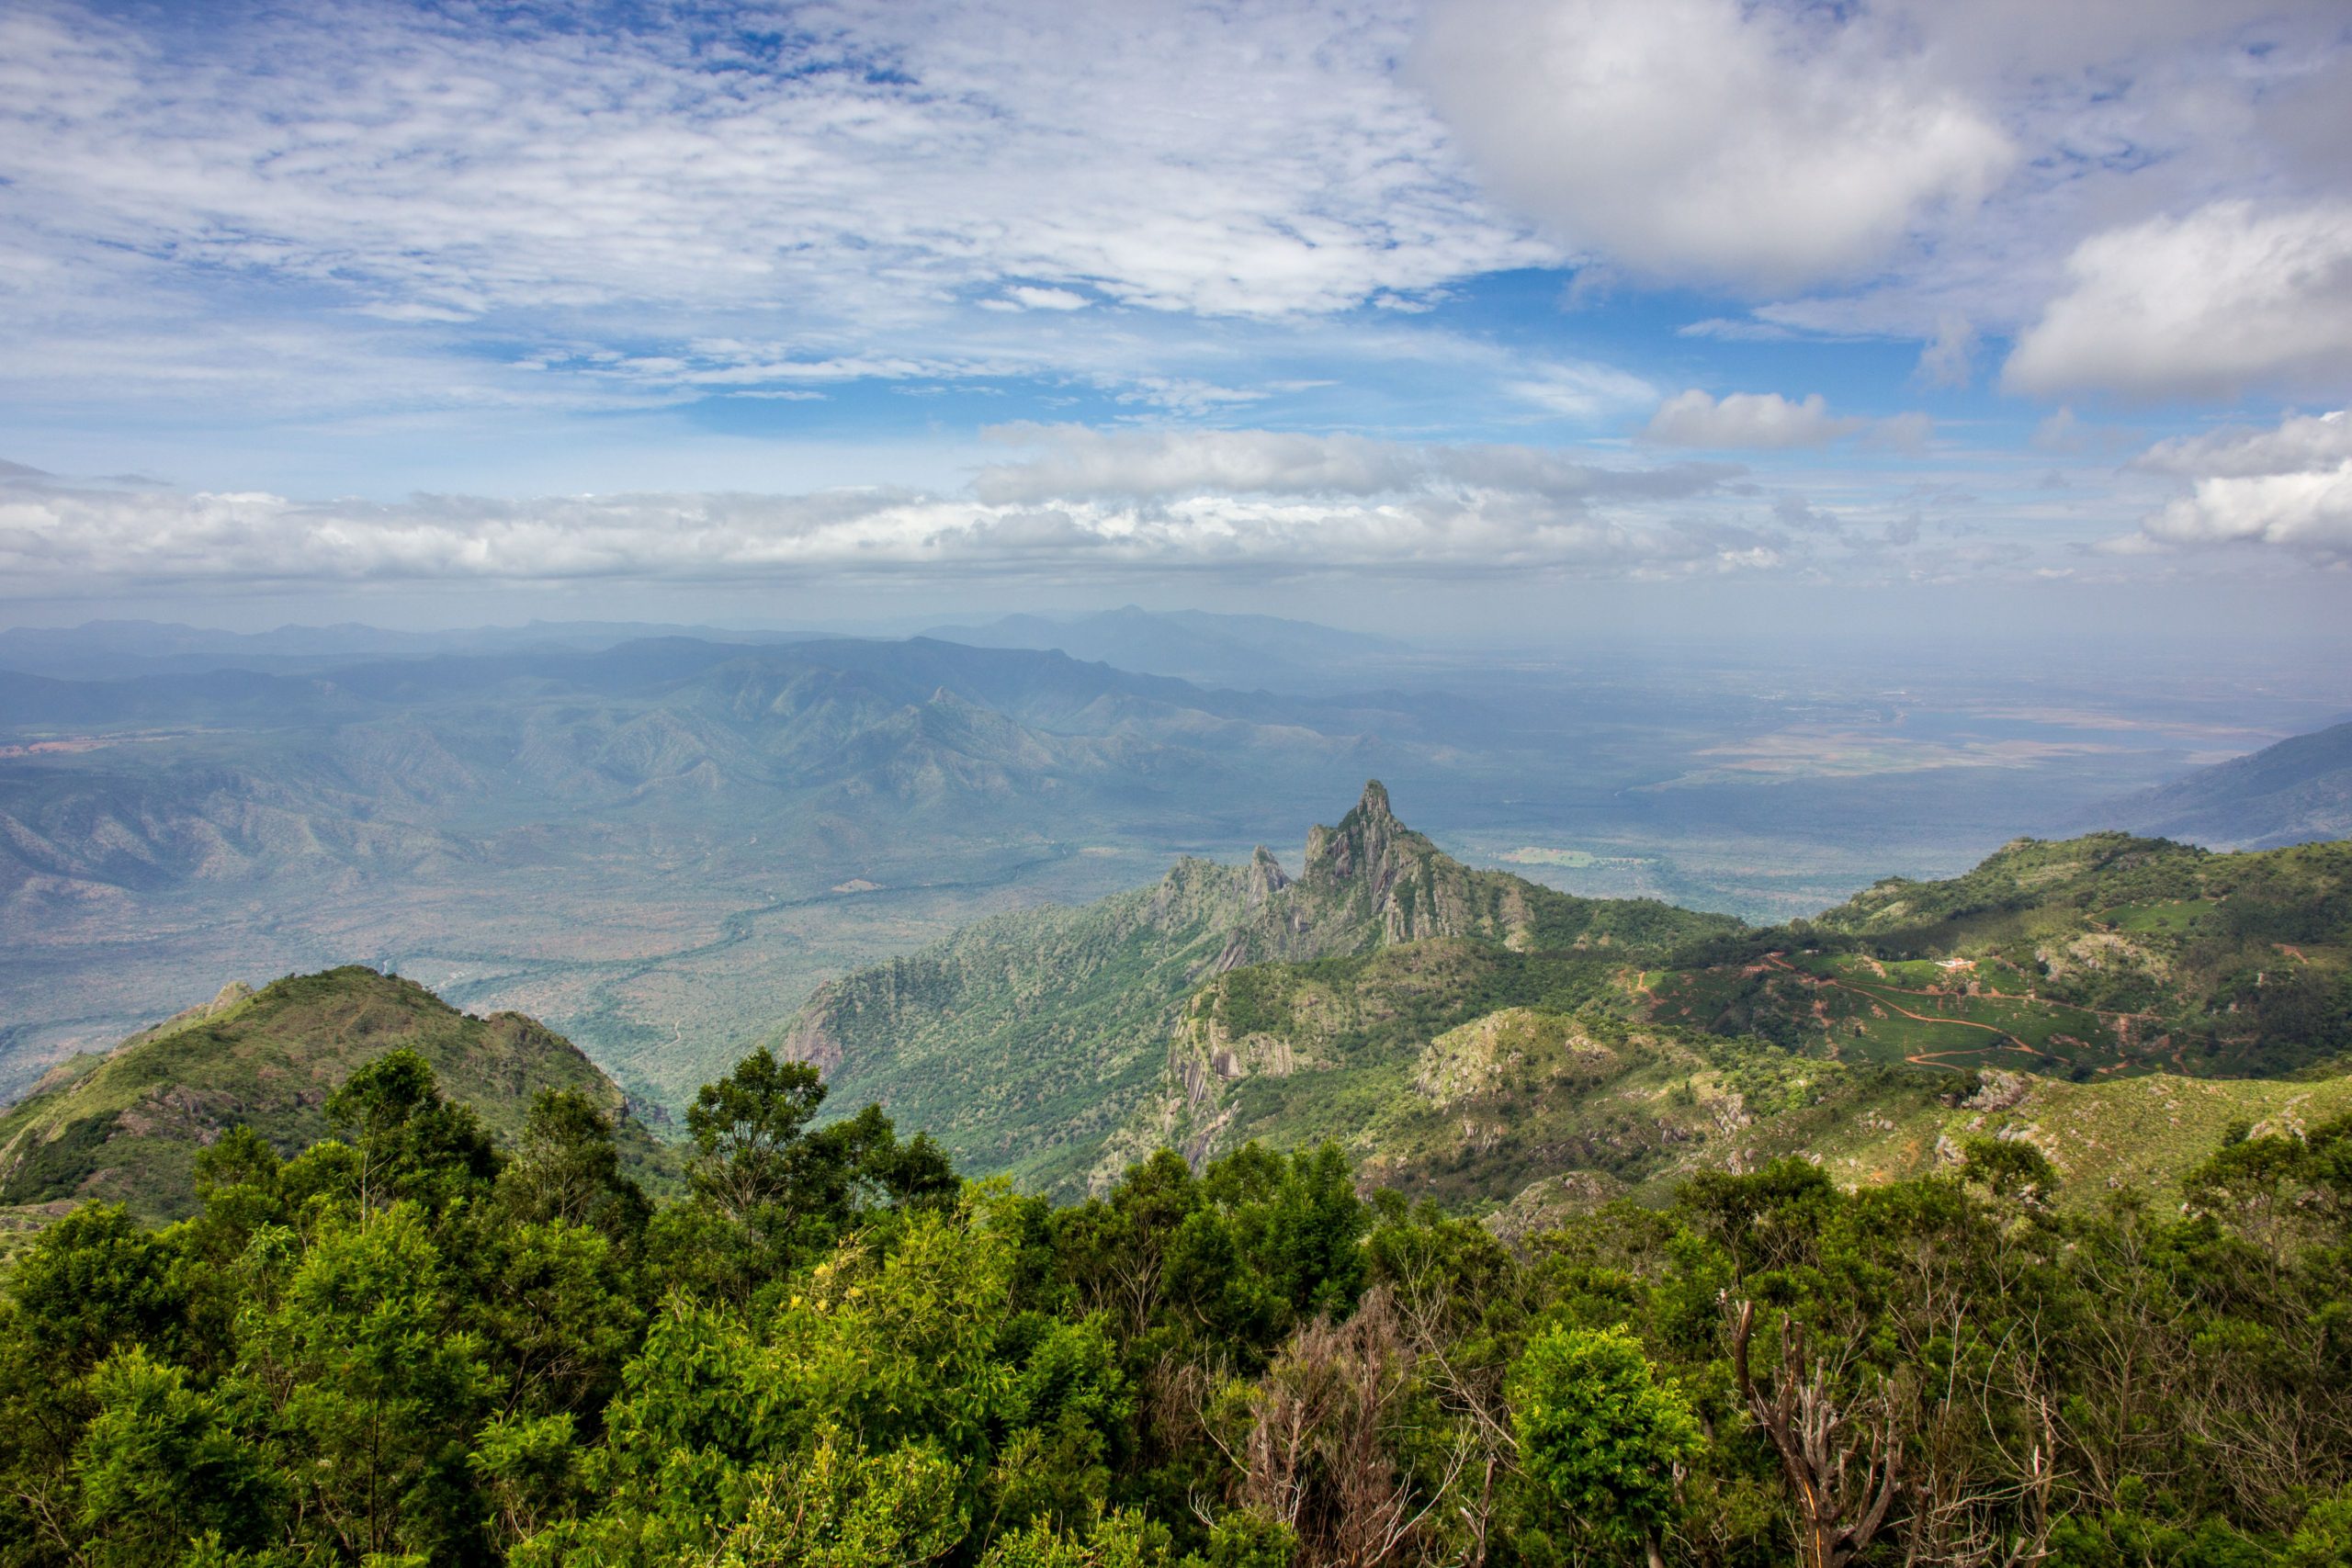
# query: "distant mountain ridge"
409, 747
1220, 650
2295, 792
121, 649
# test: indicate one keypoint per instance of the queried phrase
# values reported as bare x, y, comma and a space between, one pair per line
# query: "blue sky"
763, 311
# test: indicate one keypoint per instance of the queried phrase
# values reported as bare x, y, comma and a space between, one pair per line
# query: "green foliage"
2094, 954
747, 1129
1600, 1431
409, 1143
567, 1167
400, 1346
161, 1462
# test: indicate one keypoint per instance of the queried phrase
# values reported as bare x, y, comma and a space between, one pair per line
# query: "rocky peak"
1264, 877
1361, 841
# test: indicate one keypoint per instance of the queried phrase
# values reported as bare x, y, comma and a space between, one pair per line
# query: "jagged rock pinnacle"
1360, 844
1265, 877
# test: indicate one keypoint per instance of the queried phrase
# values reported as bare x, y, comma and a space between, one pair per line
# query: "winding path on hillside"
1924, 1058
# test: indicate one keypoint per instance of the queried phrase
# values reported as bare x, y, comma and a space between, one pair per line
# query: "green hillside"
125, 1126
2094, 955
1026, 1040
1406, 1063
2121, 1003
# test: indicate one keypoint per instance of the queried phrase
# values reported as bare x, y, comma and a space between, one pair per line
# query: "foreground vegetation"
408, 1345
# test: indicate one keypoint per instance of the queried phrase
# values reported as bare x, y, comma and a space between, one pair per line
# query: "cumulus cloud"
2289, 488
1949, 357
2231, 295
1246, 500
1708, 139
1760, 420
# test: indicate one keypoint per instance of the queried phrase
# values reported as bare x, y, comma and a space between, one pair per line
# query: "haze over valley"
659, 844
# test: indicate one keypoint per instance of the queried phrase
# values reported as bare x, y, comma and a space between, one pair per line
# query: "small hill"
125, 1126
2122, 1003
2293, 792
1025, 1040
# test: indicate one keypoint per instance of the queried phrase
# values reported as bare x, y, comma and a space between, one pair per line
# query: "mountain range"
1243, 652
1493, 1042
662, 845
2121, 1004
2293, 792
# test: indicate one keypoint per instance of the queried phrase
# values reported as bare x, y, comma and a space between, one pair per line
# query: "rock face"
1371, 881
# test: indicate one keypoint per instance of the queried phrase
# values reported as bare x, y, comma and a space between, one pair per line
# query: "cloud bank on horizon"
1894, 290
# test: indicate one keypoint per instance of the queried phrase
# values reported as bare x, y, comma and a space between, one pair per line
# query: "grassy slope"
1023, 1034
126, 1126
1532, 1107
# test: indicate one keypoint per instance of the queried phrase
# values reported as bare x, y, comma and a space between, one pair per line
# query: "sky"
1474, 314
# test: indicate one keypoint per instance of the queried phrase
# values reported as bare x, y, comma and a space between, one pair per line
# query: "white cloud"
1736, 329
866, 161
1252, 501
2299, 443
2061, 432
1949, 357
2289, 488
2229, 297
1737, 419
1035, 298
1708, 139
1908, 432
1077, 462
1581, 389
1082, 462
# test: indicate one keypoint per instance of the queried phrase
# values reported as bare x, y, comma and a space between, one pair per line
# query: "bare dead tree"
1843, 1466
1959, 1518
1322, 1451
1471, 1393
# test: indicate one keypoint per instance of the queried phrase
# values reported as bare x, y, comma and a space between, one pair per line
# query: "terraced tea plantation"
1854, 1008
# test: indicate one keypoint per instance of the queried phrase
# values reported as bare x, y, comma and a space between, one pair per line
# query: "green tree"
568, 1167
379, 1388
411, 1143
747, 1130
1601, 1433
160, 1464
